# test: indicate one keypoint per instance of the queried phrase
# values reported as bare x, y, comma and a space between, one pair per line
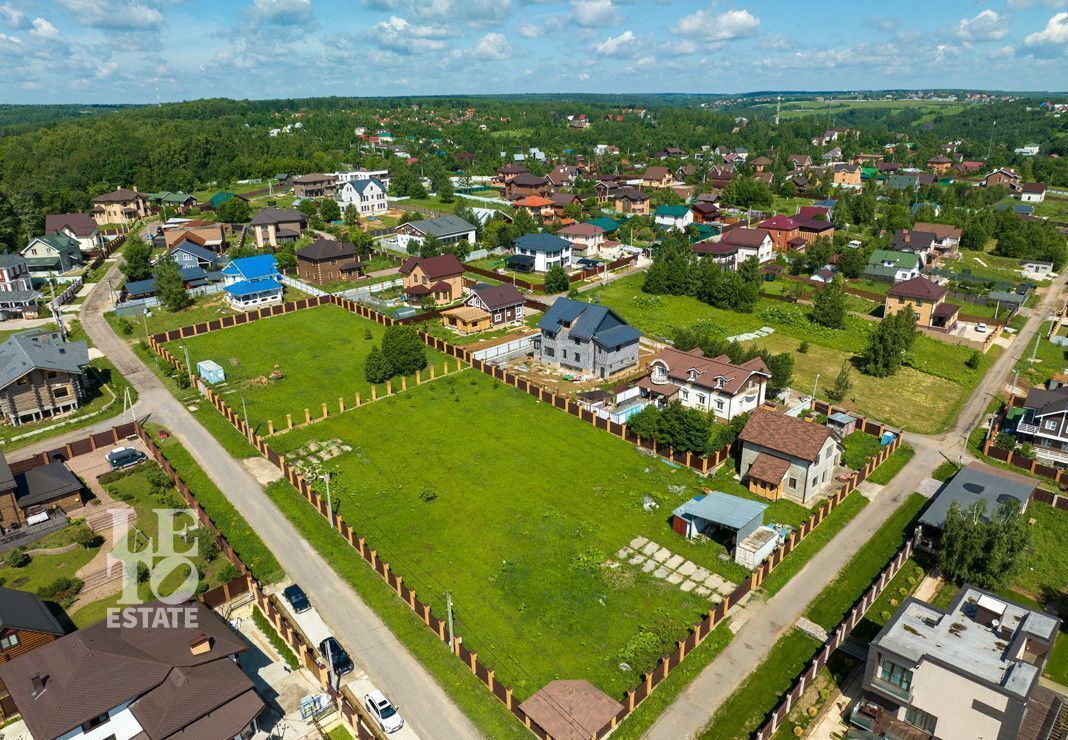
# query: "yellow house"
927, 299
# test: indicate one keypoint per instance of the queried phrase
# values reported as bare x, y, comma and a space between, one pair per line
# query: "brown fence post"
289, 421
324, 410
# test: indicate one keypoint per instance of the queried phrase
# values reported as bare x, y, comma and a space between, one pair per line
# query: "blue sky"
124, 50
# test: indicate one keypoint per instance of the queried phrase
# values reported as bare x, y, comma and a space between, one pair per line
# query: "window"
95, 722
60, 391
1051, 424
578, 357
549, 352
6, 643
919, 718
793, 483
719, 404
897, 675
563, 353
815, 480
51, 374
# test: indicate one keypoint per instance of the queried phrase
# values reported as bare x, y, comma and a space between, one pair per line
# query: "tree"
362, 241
403, 350
444, 189
351, 215
645, 422
136, 261
429, 246
286, 255
523, 223
982, 549
670, 272
309, 208
851, 262
829, 305
234, 211
556, 280
684, 430
745, 192
887, 345
329, 210
842, 384
376, 369
169, 285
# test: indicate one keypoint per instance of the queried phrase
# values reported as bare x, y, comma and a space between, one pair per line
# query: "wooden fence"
586, 274
703, 464
834, 641
1030, 464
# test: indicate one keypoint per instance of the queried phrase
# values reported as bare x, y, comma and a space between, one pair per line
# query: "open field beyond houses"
922, 398
519, 510
320, 352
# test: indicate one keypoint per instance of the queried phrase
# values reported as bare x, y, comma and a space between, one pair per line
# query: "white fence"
506, 351
302, 286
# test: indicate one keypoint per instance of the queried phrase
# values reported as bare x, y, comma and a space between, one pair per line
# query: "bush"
229, 572
63, 590
87, 538
803, 348
17, 558
126, 328
973, 361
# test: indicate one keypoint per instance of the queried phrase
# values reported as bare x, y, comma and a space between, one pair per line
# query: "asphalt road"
425, 706
767, 620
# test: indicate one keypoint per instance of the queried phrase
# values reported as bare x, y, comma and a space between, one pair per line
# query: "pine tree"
169, 285
842, 384
829, 305
402, 350
556, 280
376, 368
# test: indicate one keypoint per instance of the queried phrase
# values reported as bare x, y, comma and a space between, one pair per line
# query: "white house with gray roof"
971, 671
588, 339
368, 196
448, 229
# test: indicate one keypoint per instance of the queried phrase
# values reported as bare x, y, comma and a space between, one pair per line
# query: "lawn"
922, 397
494, 264
1049, 359
892, 465
527, 559
745, 709
990, 267
326, 363
1055, 209
858, 448
832, 604
900, 587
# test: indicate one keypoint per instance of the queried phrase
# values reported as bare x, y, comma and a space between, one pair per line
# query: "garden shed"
717, 510
211, 372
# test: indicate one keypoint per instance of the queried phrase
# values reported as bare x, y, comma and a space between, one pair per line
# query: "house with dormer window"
709, 384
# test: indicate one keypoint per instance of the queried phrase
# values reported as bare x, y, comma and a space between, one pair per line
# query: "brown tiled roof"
99, 667
744, 237
632, 194
1033, 187
814, 224
735, 377
571, 709
122, 195
785, 434
498, 296
581, 229
769, 469
313, 178
81, 224
656, 173
525, 179
324, 249
919, 288
435, 268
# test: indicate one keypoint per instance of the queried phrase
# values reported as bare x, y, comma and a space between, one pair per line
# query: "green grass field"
321, 352
522, 539
922, 398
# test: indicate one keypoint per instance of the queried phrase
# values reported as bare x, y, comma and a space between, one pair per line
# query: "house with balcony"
1044, 424
927, 299
710, 384
540, 252
79, 226
52, 254
315, 185
122, 206
632, 201
585, 238
438, 278
968, 671
17, 296
368, 197
253, 281
41, 375
586, 339
273, 226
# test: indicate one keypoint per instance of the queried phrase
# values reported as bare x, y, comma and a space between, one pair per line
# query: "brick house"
586, 238
122, 206
316, 185
329, 261
439, 277
927, 299
657, 177
632, 200
710, 384
785, 456
525, 184
274, 225
40, 376
782, 230
1004, 177
939, 165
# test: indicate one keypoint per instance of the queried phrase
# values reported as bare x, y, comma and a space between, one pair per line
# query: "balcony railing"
891, 688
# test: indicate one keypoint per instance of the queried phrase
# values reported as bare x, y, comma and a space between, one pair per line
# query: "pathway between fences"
703, 464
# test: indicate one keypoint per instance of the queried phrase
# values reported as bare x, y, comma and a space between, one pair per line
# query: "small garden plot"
531, 519
301, 360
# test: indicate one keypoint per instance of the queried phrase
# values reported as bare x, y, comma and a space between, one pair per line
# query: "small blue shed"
717, 509
210, 371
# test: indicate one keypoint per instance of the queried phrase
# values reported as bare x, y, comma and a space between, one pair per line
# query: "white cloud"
42, 29
402, 37
594, 13
625, 44
281, 12
987, 26
1021, 4
883, 24
12, 16
551, 24
1055, 32
115, 15
1003, 52
706, 26
493, 46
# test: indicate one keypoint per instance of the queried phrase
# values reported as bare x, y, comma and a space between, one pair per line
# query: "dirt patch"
263, 471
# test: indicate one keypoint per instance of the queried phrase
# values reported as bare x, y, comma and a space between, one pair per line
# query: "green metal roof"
672, 211
901, 260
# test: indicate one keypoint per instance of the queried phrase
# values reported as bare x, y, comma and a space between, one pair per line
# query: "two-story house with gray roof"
588, 339
40, 376
52, 254
1044, 424
447, 229
970, 671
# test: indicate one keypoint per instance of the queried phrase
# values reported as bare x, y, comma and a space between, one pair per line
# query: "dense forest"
55, 158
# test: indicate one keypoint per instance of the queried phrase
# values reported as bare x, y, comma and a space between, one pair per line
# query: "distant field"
801, 108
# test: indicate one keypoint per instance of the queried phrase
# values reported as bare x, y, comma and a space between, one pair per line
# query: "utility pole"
329, 501
244, 411
448, 605
144, 319
778, 110
329, 665
815, 383
188, 366
1038, 336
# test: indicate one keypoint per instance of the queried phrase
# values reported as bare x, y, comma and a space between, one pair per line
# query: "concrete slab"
688, 569
661, 572
702, 591
675, 561
662, 555
638, 542
636, 559
622, 555
688, 586
700, 574
674, 578
648, 566
929, 487
650, 547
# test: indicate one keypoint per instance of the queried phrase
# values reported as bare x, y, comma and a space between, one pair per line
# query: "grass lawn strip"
835, 601
321, 353
892, 465
746, 708
275, 639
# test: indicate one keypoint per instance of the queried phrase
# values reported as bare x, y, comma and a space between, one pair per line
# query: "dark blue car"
341, 660
297, 599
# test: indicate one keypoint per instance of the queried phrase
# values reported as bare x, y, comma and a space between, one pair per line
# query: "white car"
981, 328
383, 711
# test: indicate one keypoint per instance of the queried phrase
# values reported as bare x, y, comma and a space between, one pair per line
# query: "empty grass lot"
321, 352
516, 508
923, 397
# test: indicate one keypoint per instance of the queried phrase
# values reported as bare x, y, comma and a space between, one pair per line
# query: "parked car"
981, 328
342, 663
124, 457
297, 598
384, 713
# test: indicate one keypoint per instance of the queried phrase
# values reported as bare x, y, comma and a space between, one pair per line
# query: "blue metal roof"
141, 287
722, 508
543, 242
248, 288
260, 266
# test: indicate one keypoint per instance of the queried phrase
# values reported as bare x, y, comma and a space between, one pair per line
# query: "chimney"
200, 645
40, 683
